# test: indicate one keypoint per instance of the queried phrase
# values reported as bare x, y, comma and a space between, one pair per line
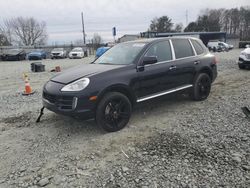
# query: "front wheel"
201, 87
113, 112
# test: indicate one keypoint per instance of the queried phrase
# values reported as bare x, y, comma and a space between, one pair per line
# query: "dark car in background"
131, 73
37, 54
14, 55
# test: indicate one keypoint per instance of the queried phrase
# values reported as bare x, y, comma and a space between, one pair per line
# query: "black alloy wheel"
113, 112
201, 87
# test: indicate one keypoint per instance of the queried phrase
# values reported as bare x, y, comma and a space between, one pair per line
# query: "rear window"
182, 48
197, 46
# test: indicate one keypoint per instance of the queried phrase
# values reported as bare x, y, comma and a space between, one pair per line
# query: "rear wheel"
201, 87
113, 112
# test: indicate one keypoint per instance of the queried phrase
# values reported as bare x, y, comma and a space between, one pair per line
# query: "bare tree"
178, 27
234, 21
26, 31
97, 40
3, 38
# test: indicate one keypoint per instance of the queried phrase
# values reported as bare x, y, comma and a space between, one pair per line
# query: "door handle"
197, 62
172, 67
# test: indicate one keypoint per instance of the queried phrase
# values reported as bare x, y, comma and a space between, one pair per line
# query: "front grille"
55, 53
248, 56
74, 54
62, 102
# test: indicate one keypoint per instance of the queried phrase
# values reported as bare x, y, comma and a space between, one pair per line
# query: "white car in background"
244, 59
58, 53
76, 53
218, 46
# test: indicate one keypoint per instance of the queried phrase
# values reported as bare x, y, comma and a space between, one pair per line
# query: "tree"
162, 24
192, 27
3, 39
235, 21
178, 27
26, 31
97, 40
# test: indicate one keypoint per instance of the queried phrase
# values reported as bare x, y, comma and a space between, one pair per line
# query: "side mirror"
147, 60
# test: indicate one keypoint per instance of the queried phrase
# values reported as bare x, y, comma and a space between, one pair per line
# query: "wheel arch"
121, 88
207, 71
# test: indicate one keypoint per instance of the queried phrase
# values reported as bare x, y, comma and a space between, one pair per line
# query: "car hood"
56, 51
72, 52
247, 50
81, 71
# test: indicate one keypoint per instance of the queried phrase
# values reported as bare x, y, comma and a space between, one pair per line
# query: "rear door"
185, 61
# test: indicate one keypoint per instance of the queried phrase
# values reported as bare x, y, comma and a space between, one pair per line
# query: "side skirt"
163, 93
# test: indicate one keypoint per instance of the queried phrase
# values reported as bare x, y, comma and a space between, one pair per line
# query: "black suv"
129, 73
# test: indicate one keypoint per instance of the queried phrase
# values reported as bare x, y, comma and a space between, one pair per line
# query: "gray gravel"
169, 142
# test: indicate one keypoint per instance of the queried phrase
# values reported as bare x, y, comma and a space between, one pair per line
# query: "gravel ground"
169, 142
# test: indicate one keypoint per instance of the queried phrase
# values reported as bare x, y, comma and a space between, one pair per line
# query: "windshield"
121, 54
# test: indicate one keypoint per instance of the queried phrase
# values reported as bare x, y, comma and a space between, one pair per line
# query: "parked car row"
218, 46
39, 54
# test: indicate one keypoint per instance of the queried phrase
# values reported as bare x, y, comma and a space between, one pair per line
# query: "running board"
163, 93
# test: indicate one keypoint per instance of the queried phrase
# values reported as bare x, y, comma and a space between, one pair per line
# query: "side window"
182, 48
161, 50
198, 48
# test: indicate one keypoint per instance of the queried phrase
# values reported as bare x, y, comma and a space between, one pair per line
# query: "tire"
201, 87
113, 112
241, 66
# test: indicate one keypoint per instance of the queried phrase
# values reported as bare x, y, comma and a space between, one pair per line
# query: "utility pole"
186, 18
83, 30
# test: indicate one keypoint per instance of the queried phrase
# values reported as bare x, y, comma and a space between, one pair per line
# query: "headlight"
77, 85
244, 53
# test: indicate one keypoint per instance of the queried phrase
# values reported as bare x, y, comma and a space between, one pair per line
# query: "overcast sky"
63, 17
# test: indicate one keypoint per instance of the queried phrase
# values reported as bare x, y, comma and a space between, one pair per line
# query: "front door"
158, 77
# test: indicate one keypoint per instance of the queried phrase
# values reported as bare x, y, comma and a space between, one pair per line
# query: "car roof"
149, 40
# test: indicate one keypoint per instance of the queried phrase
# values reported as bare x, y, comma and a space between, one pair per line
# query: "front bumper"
75, 56
57, 56
244, 62
67, 103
